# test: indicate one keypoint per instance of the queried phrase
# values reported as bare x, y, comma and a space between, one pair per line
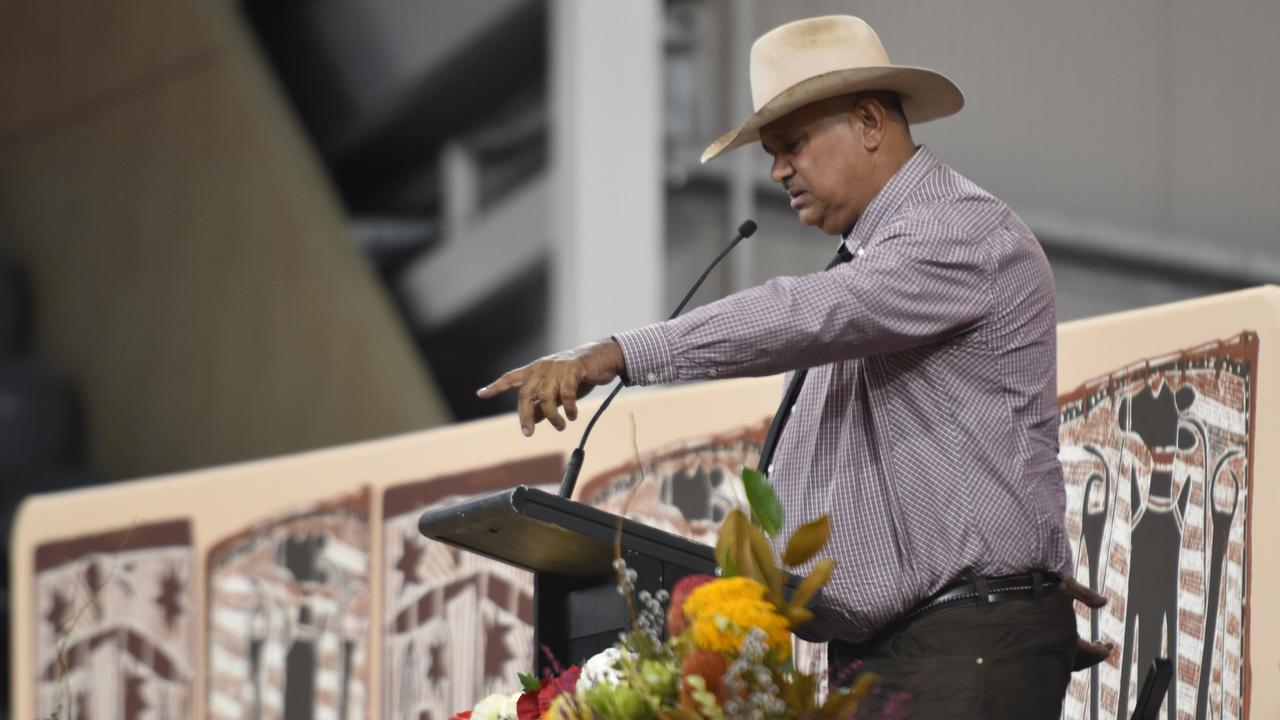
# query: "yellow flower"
722, 611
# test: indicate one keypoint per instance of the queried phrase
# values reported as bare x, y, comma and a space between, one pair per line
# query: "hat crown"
797, 51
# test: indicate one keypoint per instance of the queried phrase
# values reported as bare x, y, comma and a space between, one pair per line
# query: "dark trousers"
1004, 660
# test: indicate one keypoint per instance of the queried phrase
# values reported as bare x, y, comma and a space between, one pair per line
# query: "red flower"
566, 681
676, 620
527, 706
464, 715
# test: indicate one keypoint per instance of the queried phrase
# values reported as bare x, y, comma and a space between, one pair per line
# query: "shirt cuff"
647, 356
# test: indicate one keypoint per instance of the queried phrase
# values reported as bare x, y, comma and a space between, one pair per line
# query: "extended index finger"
509, 380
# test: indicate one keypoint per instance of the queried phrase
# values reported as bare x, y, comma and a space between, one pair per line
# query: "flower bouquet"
716, 648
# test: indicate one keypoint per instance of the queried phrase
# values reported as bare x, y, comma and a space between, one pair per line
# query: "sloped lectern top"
545, 533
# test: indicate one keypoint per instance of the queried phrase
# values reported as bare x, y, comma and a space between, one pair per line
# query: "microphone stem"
596, 416
574, 466
737, 239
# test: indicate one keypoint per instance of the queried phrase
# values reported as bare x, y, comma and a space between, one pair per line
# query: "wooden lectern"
569, 547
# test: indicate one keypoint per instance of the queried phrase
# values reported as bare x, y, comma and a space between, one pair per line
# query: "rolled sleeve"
647, 355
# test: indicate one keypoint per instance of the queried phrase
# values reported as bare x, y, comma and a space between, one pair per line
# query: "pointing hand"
548, 383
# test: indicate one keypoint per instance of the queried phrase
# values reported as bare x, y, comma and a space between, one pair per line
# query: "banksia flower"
677, 622
711, 667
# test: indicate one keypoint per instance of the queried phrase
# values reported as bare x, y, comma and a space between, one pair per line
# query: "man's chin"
809, 216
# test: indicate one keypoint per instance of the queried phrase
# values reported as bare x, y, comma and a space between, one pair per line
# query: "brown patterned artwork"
457, 626
288, 616
114, 632
1157, 459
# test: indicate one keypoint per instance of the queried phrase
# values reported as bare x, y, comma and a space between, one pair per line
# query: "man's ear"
869, 119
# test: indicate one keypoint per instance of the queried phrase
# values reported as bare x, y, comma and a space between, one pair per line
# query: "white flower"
509, 706
496, 707
602, 669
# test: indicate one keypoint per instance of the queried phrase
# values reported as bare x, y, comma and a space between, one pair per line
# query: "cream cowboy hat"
819, 58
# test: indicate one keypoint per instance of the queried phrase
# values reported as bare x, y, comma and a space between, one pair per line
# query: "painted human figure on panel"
1151, 622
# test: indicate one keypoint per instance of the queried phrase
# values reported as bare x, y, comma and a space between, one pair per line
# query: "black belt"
988, 591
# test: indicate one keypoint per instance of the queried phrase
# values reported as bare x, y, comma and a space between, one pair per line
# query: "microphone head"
747, 229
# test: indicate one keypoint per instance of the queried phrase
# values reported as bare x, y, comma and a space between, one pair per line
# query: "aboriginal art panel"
1157, 459
456, 626
114, 629
288, 616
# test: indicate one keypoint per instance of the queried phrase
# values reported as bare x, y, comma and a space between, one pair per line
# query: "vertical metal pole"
606, 211
741, 193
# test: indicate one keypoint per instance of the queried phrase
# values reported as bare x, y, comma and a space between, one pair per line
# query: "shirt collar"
890, 197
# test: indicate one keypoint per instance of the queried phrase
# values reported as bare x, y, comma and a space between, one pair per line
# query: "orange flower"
724, 610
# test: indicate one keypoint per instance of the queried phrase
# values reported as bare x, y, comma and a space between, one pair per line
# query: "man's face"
822, 162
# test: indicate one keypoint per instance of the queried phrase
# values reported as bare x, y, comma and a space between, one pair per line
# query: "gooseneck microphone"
745, 230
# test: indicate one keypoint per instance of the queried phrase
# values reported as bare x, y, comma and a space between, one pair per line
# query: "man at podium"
921, 411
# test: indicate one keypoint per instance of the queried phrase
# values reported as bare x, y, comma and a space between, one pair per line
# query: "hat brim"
926, 95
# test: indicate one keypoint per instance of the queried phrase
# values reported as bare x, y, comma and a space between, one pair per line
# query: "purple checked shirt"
927, 427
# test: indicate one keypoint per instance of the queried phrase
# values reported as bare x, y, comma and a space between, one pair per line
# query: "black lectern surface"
545, 533
569, 548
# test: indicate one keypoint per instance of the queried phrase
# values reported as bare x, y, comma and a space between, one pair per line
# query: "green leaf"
806, 541
813, 582
764, 503
529, 682
742, 554
799, 692
728, 568
797, 615
708, 707
762, 554
725, 542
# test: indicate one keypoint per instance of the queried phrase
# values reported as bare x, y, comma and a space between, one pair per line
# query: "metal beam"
606, 196
479, 258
